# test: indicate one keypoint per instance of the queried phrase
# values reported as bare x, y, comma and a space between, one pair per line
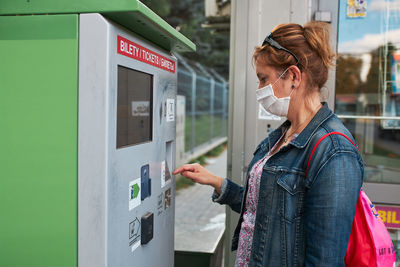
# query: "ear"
295, 75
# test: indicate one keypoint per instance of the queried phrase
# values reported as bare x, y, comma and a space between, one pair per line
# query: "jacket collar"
303, 138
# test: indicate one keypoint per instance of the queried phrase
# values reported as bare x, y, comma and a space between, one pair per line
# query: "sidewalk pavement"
199, 222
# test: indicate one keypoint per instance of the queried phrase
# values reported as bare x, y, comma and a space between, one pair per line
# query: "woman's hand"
201, 175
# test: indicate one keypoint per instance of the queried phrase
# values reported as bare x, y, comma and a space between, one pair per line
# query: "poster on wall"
396, 72
356, 8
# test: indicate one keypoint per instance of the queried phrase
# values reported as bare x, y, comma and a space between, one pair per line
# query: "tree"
187, 16
348, 79
160, 7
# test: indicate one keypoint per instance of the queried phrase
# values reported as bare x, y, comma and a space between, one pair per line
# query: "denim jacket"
302, 221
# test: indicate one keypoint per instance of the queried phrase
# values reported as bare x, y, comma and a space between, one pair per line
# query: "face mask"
272, 104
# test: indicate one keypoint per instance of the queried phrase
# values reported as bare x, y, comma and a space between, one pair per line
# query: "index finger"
184, 168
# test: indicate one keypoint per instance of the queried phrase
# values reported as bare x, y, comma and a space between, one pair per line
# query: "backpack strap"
320, 140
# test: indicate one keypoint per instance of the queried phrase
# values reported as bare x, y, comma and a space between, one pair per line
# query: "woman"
288, 218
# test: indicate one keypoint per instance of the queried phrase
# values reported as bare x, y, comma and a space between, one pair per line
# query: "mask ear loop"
291, 92
280, 76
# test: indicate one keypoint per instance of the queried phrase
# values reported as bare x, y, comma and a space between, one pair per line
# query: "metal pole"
368, 117
224, 107
194, 77
212, 93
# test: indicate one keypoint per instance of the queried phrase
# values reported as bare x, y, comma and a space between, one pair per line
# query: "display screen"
135, 107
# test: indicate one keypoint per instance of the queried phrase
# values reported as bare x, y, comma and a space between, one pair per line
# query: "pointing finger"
184, 168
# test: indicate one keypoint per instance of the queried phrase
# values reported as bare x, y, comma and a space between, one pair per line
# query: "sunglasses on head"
274, 44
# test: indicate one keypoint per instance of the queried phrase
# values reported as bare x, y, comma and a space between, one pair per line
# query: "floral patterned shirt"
249, 215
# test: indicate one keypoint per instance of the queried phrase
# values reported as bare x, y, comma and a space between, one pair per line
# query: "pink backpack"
370, 243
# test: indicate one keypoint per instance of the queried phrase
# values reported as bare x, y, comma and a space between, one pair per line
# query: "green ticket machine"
87, 138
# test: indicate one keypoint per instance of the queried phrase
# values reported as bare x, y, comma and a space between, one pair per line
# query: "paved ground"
199, 222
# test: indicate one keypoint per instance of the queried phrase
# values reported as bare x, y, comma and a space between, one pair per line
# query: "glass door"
367, 94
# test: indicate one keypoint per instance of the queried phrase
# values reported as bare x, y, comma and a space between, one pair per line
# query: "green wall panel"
38, 140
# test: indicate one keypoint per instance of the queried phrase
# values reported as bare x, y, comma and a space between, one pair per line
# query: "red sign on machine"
138, 52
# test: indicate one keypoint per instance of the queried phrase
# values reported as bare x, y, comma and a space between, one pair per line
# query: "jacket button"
294, 187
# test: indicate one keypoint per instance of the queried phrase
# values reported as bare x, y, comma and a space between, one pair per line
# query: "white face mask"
272, 104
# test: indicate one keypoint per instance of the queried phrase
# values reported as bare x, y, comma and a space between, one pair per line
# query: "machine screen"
135, 107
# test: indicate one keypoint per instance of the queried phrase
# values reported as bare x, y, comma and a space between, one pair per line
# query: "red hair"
309, 43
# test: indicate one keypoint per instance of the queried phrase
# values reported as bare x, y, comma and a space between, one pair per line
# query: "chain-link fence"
206, 110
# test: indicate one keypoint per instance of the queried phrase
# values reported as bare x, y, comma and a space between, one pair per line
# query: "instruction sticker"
162, 173
134, 194
135, 246
170, 109
160, 203
165, 174
134, 234
167, 198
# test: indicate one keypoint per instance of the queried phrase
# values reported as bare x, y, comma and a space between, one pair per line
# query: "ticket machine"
88, 109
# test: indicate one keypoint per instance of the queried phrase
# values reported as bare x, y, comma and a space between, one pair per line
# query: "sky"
361, 35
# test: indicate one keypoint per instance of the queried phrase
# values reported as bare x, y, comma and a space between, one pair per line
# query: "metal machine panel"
126, 191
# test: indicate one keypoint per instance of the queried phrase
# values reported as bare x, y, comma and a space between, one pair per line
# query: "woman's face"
269, 75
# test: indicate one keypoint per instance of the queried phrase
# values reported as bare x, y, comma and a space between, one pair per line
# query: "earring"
292, 86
